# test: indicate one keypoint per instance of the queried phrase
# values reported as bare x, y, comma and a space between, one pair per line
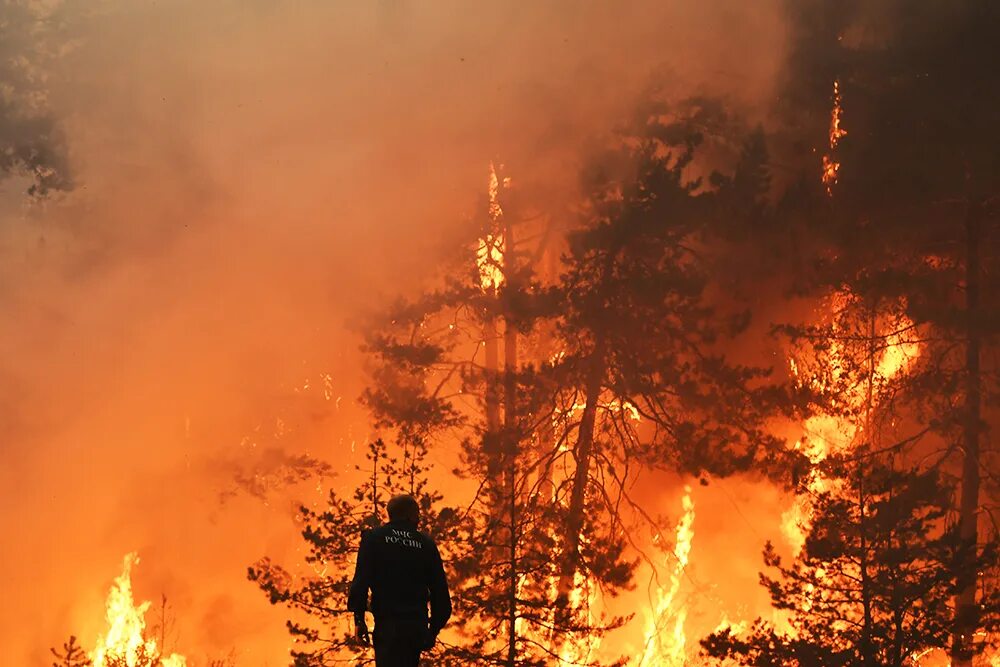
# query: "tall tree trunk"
546, 260
867, 648
510, 485
493, 444
966, 609
584, 454
492, 344
511, 448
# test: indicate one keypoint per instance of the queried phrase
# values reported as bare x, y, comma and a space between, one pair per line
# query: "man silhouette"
402, 568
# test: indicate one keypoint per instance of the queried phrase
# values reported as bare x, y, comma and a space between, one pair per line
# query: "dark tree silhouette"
641, 339
70, 655
912, 220
874, 582
322, 627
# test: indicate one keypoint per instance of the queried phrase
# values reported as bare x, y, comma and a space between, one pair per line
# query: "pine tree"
873, 584
641, 338
550, 432
508, 582
507, 421
913, 217
71, 655
320, 623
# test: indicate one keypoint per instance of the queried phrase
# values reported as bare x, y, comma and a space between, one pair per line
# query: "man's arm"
357, 599
440, 598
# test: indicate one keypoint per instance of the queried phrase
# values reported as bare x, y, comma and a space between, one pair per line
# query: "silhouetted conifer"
873, 584
70, 655
317, 592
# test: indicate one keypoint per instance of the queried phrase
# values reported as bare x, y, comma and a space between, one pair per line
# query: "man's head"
403, 508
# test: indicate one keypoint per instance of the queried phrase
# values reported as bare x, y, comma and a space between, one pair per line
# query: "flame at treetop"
831, 167
665, 644
125, 642
490, 253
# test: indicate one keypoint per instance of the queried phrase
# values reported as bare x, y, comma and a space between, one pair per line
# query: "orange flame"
828, 434
665, 644
831, 167
490, 253
125, 639
584, 594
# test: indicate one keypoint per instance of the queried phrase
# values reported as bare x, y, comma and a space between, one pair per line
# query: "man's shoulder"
426, 537
377, 535
378, 530
367, 535
400, 531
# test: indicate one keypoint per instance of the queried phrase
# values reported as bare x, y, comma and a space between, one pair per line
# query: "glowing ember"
831, 167
830, 170
836, 132
125, 642
665, 641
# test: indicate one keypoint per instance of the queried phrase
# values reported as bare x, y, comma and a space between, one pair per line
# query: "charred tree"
966, 604
509, 456
491, 369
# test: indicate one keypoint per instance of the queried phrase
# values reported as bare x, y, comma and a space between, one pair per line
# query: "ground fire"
127, 642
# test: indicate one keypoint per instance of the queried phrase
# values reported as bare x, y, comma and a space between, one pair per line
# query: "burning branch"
831, 167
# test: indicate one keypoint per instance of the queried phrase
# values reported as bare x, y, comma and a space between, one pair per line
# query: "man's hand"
361, 631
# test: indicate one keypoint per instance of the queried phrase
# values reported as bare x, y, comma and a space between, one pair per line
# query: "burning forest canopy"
679, 320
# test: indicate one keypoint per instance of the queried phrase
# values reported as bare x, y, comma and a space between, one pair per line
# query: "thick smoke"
31, 146
249, 176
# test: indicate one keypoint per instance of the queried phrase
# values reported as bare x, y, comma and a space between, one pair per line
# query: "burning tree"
641, 340
874, 580
507, 421
912, 223
552, 391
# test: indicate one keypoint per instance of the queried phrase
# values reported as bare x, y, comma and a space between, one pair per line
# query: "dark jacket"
402, 568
